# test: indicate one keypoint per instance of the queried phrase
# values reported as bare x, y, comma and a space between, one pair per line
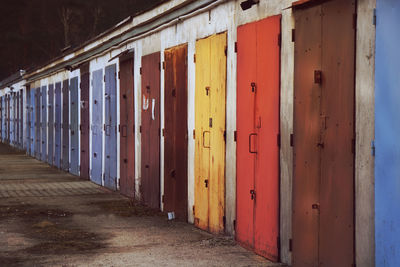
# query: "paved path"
51, 218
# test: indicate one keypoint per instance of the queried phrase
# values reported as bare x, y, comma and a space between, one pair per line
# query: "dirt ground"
50, 218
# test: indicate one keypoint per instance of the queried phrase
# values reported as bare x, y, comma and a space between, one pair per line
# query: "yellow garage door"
210, 109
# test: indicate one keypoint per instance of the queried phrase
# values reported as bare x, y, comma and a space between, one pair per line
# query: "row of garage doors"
323, 138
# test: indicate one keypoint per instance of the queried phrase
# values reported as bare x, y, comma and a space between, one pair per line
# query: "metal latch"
253, 194
206, 183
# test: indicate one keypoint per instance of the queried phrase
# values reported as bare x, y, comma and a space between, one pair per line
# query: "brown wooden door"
84, 127
175, 131
323, 186
127, 128
150, 130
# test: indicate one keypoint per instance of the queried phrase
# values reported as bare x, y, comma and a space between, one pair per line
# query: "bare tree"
65, 16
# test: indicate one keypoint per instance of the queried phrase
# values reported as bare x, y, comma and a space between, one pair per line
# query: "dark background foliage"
33, 32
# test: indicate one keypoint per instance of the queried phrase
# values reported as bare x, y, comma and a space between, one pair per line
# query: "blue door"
73, 87
110, 168
97, 128
37, 124
50, 156
11, 140
57, 127
44, 123
65, 126
33, 121
387, 132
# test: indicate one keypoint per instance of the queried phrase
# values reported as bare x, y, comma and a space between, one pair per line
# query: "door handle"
250, 143
253, 194
204, 133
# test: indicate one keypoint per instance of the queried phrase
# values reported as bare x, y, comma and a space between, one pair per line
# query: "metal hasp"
74, 125
37, 124
324, 129
110, 148
257, 153
209, 198
43, 123
65, 126
33, 121
50, 149
175, 131
57, 127
96, 174
150, 106
85, 122
387, 132
127, 126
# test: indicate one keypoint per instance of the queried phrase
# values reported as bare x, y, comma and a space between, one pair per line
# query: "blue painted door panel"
96, 173
37, 124
44, 123
73, 87
387, 132
65, 126
50, 148
11, 118
110, 167
33, 122
57, 127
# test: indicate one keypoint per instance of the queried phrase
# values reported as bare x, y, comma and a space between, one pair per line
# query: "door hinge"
141, 72
140, 129
236, 47
162, 199
374, 18
119, 128
373, 148
290, 245
235, 136
355, 21
163, 65
225, 136
278, 139
226, 50
353, 146
194, 58
279, 40
193, 210
194, 134
119, 74
291, 140
163, 132
317, 76
293, 35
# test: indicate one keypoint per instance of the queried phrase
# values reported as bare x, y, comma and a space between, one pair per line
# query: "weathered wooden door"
50, 156
43, 123
127, 127
175, 132
150, 130
37, 124
21, 119
387, 132
96, 174
65, 126
210, 110
323, 185
74, 125
258, 76
85, 121
33, 121
110, 161
1, 118
57, 127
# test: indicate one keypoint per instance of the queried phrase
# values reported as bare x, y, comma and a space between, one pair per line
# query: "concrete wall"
364, 162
